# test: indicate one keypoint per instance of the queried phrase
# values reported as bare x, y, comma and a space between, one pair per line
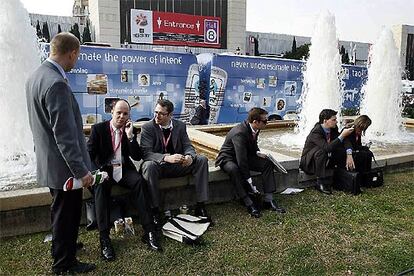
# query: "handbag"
373, 178
347, 181
186, 228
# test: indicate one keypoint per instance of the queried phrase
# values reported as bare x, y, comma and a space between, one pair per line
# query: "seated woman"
361, 155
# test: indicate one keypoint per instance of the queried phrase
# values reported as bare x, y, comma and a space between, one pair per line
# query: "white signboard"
141, 26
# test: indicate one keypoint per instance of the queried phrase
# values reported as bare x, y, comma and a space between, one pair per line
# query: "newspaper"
278, 166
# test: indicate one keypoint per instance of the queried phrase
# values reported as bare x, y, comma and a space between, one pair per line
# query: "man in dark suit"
239, 154
168, 153
110, 145
60, 147
325, 148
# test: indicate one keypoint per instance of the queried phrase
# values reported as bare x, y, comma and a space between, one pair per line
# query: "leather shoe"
321, 188
107, 250
272, 206
200, 212
79, 246
253, 211
151, 240
158, 221
76, 268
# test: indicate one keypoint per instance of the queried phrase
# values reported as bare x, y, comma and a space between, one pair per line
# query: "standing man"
239, 154
110, 145
325, 148
60, 147
168, 153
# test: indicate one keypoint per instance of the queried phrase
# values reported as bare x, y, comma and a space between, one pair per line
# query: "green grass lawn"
372, 233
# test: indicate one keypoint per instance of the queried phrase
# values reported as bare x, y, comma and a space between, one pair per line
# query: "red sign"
184, 29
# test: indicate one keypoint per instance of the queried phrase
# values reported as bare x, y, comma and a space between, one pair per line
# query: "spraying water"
382, 100
322, 84
20, 57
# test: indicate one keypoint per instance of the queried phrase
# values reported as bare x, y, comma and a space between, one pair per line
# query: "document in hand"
278, 166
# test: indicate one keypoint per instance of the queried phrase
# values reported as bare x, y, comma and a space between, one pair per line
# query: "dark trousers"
321, 161
131, 180
255, 164
66, 212
153, 172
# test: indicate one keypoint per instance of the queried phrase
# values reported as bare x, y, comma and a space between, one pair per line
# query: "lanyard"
165, 141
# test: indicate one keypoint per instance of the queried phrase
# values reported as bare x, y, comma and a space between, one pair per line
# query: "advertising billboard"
166, 28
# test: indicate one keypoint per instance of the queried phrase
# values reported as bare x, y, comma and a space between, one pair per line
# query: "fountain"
382, 99
20, 57
322, 83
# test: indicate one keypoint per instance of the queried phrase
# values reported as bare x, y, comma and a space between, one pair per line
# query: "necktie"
117, 162
254, 136
328, 137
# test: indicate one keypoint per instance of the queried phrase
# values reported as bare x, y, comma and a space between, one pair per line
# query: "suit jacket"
152, 140
56, 124
101, 150
316, 140
238, 146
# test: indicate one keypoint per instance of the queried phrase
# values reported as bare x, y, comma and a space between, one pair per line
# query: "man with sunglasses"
168, 153
239, 154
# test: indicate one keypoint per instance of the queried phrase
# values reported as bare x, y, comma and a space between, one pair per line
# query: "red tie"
328, 137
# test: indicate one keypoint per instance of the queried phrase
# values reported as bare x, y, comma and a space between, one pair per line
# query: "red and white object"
76, 183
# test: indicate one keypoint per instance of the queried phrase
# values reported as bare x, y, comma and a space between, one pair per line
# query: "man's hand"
188, 160
174, 159
350, 165
261, 154
346, 132
128, 129
87, 180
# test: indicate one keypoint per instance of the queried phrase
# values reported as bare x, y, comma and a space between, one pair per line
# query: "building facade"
404, 38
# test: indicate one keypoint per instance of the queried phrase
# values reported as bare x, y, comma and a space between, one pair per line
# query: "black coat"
238, 146
101, 150
315, 141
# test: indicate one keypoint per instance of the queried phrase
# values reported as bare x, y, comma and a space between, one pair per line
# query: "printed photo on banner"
109, 104
126, 75
272, 81
97, 83
280, 104
266, 101
247, 97
134, 101
290, 88
260, 83
143, 79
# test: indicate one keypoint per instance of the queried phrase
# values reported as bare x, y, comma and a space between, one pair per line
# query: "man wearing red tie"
324, 148
239, 154
110, 145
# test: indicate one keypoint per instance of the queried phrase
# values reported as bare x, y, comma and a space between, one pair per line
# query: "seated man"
110, 145
239, 154
326, 148
168, 153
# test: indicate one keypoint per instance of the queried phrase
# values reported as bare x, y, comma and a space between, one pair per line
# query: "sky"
356, 20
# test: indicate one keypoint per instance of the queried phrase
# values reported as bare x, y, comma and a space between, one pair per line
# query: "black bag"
373, 178
347, 181
362, 158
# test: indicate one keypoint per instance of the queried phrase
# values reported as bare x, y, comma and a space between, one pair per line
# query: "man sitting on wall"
240, 154
168, 153
110, 145
326, 148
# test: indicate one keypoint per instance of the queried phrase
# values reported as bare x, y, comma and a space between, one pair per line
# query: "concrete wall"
105, 21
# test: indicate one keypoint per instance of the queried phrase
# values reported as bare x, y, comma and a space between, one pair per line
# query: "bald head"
120, 113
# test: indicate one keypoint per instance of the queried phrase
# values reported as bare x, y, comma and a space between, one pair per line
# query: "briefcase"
347, 181
372, 178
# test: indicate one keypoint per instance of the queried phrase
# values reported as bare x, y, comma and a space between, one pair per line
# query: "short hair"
166, 103
362, 123
120, 100
326, 114
255, 114
63, 43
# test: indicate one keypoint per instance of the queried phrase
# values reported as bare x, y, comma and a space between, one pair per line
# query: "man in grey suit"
60, 148
168, 153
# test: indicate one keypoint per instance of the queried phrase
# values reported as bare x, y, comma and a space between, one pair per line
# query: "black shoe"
200, 212
79, 246
272, 206
151, 240
77, 268
321, 188
253, 211
107, 250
